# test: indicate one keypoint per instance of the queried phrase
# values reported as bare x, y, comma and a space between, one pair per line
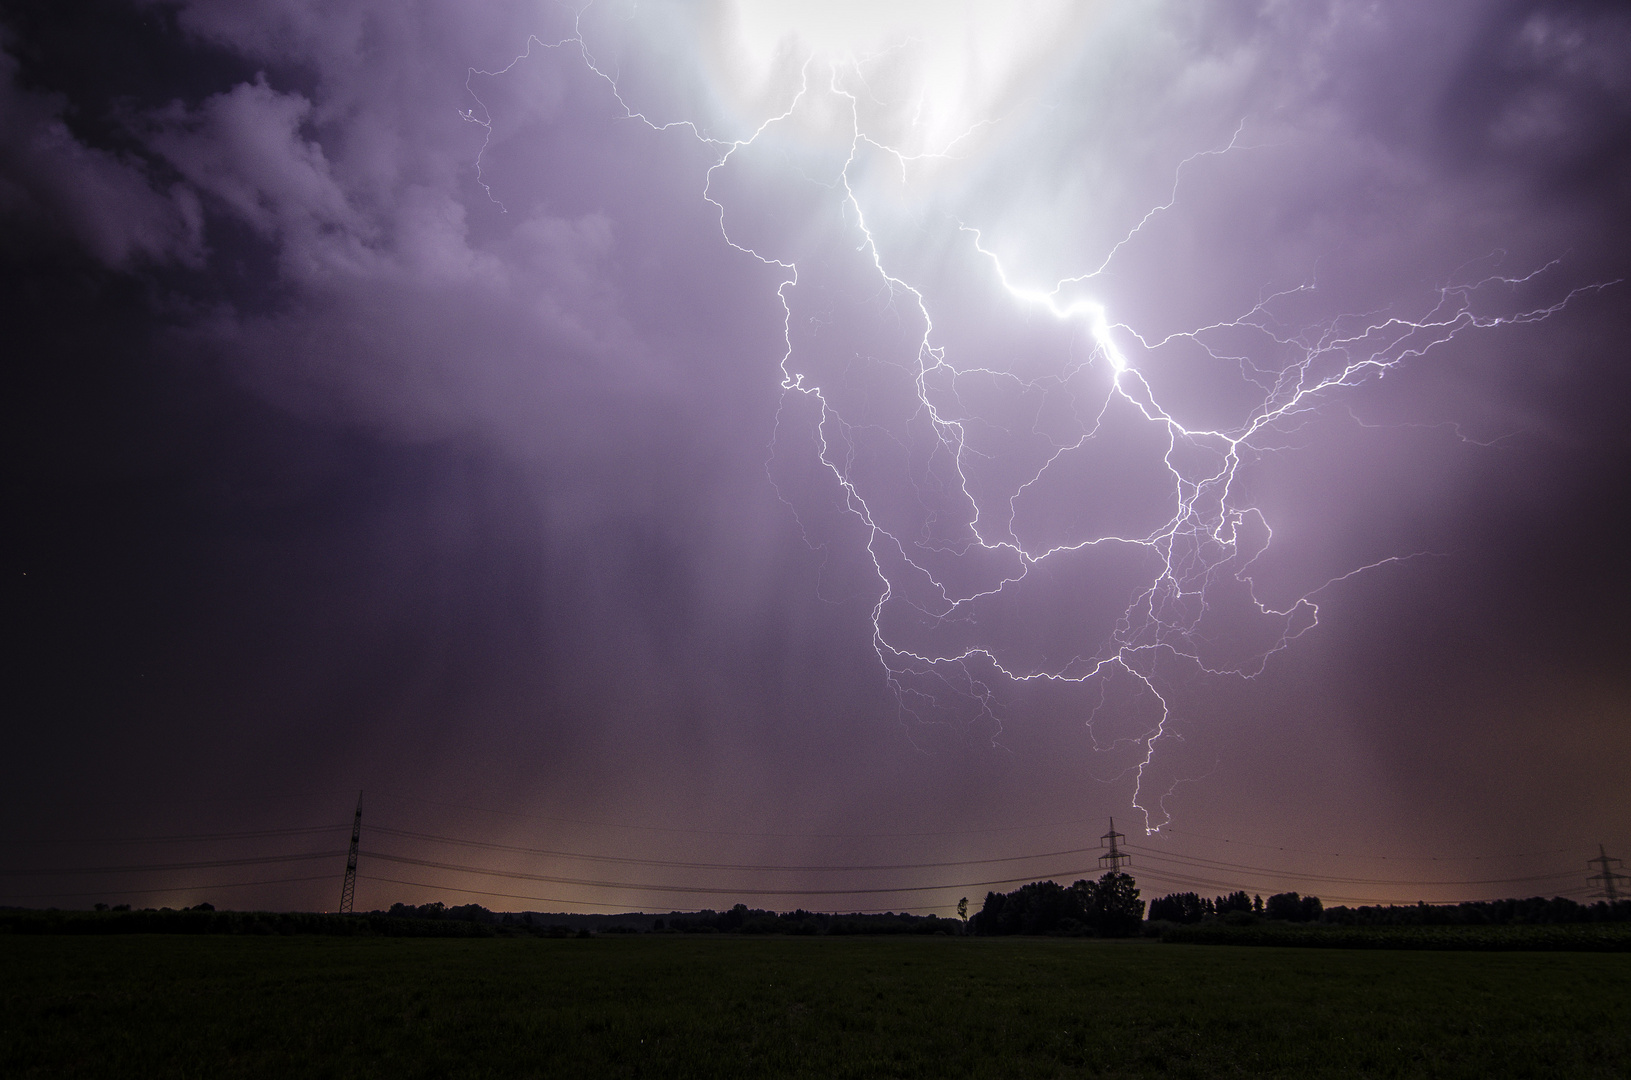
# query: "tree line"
1239, 909
1235, 907
1109, 907
1534, 911
742, 919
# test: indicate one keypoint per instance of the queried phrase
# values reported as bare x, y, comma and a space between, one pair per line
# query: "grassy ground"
849, 1007
1565, 937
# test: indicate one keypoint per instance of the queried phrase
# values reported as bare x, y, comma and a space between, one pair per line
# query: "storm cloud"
797, 423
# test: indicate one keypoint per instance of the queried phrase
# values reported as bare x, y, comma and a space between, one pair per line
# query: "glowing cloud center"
944, 67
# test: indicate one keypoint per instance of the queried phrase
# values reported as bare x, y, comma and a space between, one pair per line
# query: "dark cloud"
104, 200
395, 410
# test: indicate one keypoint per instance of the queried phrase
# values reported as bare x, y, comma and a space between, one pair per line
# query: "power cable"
1211, 864
180, 838
485, 892
154, 868
1221, 888
703, 890
554, 900
380, 829
177, 888
1188, 864
1206, 864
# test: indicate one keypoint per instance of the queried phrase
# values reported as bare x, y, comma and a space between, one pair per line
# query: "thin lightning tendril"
1211, 537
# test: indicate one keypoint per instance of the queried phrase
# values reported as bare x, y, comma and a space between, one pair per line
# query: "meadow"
723, 1005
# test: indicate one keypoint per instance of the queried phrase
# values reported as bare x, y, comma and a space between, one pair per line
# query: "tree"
1042, 907
1181, 908
1293, 908
962, 909
1116, 910
1109, 907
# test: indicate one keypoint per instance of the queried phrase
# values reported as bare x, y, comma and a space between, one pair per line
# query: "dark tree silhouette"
1116, 910
1182, 908
1042, 907
1109, 907
1293, 908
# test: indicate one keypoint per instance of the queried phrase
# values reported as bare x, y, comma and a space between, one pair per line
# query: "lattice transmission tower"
348, 888
1114, 857
1606, 881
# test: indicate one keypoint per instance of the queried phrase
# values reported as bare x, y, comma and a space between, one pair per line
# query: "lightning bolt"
945, 550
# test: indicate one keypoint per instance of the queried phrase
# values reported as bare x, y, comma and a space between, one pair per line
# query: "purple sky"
815, 435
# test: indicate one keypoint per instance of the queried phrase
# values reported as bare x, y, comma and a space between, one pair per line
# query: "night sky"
826, 455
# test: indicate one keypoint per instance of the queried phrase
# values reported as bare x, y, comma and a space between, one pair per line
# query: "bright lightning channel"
1210, 536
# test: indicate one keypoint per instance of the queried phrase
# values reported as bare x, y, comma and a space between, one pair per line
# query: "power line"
1187, 881
1186, 862
709, 890
1199, 871
1194, 884
728, 892
486, 892
180, 838
1178, 859
1212, 864
821, 868
121, 891
713, 890
1074, 822
154, 868
555, 900
1220, 888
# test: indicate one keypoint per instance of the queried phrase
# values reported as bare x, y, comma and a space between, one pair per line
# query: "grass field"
825, 1007
1565, 937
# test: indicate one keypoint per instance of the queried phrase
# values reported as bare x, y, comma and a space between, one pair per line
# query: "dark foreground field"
855, 1007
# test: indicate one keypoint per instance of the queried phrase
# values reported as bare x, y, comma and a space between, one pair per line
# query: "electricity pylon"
348, 890
1115, 856
1605, 879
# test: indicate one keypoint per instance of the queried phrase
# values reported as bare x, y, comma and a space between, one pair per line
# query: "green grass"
824, 1007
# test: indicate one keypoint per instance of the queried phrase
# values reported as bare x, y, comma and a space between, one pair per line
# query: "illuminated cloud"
1021, 364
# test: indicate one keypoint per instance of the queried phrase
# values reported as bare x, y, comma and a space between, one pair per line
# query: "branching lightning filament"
968, 477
